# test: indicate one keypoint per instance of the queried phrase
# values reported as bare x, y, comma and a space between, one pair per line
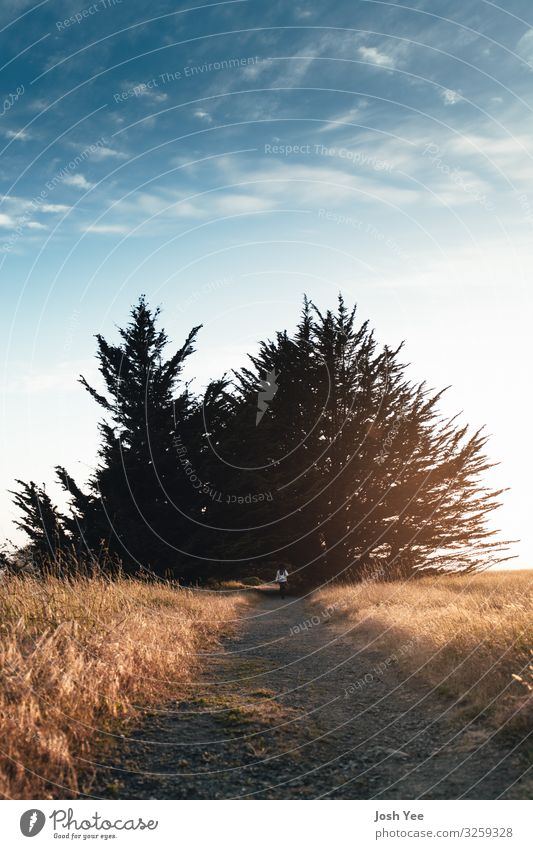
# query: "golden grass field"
85, 656
471, 636
82, 656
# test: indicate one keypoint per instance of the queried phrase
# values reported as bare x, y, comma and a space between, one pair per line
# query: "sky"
226, 158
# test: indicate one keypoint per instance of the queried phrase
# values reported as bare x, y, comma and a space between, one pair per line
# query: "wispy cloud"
78, 181
6, 221
54, 208
17, 206
450, 97
20, 135
103, 152
524, 47
301, 13
376, 57
203, 116
511, 154
107, 229
340, 120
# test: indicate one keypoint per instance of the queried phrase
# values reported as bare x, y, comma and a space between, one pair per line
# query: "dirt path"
284, 711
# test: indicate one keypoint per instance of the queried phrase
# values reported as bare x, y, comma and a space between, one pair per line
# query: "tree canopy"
320, 453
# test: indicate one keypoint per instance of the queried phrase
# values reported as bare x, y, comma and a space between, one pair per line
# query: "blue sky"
225, 158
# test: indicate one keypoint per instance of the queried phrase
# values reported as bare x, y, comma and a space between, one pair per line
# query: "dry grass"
472, 635
82, 656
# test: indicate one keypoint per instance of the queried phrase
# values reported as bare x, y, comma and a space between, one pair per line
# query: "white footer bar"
264, 825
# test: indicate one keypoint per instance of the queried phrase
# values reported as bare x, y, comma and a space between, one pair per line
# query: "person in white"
281, 579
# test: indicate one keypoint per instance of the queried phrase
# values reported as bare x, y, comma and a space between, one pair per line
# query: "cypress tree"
321, 453
367, 477
136, 485
42, 522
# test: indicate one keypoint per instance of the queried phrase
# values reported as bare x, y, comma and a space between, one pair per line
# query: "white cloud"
511, 155
309, 184
20, 135
291, 71
211, 205
450, 97
234, 203
524, 48
78, 181
35, 225
273, 183
108, 153
155, 96
54, 208
284, 72
376, 57
117, 229
301, 13
18, 206
251, 72
144, 90
476, 143
148, 204
205, 116
338, 121
6, 221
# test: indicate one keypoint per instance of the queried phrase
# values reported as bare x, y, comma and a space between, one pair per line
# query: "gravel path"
291, 712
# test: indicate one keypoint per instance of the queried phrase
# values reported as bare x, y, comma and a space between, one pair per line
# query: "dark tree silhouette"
321, 453
136, 482
42, 522
365, 475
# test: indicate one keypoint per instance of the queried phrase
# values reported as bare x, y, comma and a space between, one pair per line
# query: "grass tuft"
80, 657
469, 635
